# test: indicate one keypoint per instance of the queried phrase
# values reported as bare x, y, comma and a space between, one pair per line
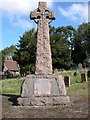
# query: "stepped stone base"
43, 90
43, 101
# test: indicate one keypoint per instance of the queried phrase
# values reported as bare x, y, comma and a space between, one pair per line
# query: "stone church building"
12, 68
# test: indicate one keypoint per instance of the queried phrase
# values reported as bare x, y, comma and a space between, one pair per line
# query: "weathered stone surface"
88, 73
43, 101
67, 81
52, 93
80, 66
55, 85
83, 77
61, 100
43, 88
36, 101
43, 57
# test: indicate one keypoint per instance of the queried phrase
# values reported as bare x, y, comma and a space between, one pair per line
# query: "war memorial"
43, 88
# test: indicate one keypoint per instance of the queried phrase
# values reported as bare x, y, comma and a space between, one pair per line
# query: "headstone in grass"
43, 88
89, 66
75, 73
0, 77
67, 81
88, 73
83, 77
80, 66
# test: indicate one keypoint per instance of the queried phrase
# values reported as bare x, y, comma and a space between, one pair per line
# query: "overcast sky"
14, 16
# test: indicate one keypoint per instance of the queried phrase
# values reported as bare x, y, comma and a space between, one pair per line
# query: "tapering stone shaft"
43, 16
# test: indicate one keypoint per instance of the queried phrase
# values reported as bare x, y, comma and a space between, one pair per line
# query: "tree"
6, 53
61, 41
26, 52
67, 45
81, 44
0, 61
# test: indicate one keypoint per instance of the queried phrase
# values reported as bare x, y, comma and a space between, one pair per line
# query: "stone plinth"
43, 90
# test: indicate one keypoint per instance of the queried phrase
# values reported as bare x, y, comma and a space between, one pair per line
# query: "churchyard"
44, 94
12, 86
78, 93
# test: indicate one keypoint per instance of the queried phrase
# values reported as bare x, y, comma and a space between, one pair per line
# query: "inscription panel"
42, 87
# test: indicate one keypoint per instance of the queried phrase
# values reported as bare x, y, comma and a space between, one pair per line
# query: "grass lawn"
12, 86
78, 88
75, 81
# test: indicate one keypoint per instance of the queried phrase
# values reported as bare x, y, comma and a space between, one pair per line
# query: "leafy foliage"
61, 41
81, 44
69, 47
26, 52
6, 53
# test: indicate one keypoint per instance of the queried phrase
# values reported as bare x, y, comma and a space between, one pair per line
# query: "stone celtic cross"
43, 16
43, 88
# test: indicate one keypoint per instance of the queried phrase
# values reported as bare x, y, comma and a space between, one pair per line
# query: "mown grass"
75, 81
13, 86
78, 88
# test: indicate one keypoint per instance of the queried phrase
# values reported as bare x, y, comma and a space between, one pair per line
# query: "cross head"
42, 13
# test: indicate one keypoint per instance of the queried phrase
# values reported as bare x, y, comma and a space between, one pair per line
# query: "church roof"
11, 65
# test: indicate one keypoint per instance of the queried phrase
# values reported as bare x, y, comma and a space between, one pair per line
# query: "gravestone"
67, 81
83, 77
88, 73
89, 66
79, 66
75, 73
43, 88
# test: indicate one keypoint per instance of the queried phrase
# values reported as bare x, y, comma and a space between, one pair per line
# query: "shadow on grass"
12, 98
